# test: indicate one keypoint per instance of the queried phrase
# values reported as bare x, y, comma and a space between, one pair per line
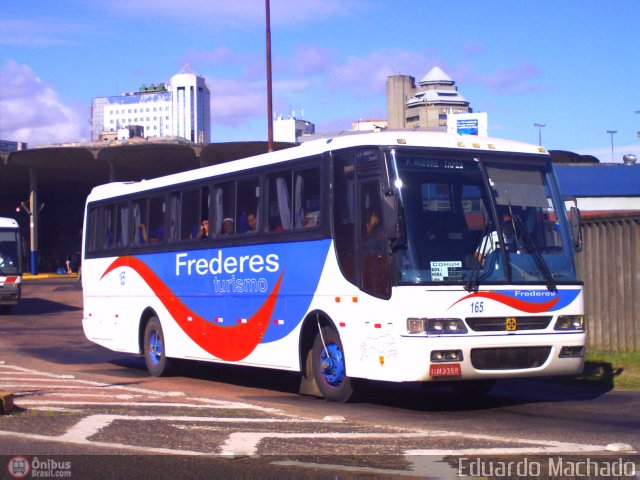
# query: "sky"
571, 65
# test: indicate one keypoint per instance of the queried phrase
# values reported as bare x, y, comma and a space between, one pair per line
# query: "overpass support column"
33, 224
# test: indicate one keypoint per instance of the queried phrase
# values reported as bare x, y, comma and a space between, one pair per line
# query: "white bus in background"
10, 264
394, 256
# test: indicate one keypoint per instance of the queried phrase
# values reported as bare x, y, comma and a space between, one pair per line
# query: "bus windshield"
10, 257
480, 220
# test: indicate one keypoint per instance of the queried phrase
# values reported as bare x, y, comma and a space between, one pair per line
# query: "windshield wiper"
537, 256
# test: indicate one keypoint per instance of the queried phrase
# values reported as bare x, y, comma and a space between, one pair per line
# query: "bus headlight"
440, 326
436, 326
569, 323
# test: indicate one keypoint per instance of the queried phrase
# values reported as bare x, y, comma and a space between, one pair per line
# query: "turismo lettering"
226, 265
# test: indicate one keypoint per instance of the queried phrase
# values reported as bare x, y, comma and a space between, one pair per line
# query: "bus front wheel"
329, 368
154, 349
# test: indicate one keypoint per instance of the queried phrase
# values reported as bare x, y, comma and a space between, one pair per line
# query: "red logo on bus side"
227, 343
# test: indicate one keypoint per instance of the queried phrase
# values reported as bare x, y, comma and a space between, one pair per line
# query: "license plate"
445, 370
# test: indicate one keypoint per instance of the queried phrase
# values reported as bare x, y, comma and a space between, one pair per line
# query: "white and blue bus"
10, 264
395, 256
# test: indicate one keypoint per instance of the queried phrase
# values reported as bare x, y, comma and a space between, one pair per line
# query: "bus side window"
248, 206
307, 198
156, 219
174, 217
280, 202
92, 230
140, 222
294, 200
122, 225
190, 215
224, 209
109, 227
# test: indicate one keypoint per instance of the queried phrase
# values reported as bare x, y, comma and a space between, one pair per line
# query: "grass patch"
620, 370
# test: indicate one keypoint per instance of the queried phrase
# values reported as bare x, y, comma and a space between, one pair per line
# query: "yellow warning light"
381, 360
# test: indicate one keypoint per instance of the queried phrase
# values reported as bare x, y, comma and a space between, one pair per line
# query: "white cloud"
32, 112
238, 13
234, 103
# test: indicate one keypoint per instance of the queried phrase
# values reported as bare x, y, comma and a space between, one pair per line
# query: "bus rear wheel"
329, 368
154, 349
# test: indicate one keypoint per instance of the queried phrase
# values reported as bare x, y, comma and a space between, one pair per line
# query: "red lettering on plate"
445, 370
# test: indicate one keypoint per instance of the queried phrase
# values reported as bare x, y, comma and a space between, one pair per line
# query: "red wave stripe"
227, 343
522, 305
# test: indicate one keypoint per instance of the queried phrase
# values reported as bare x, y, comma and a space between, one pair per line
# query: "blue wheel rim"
332, 364
155, 347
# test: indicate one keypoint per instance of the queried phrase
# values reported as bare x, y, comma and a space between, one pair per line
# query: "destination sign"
438, 164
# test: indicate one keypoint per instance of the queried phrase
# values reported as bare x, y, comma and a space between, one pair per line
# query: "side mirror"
574, 218
393, 221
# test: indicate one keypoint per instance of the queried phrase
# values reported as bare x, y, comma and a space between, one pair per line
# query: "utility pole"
269, 87
540, 127
611, 132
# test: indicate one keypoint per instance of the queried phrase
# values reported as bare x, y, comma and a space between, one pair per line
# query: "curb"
6, 403
40, 276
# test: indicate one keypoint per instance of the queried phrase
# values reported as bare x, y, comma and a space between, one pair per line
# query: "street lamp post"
269, 81
540, 127
611, 132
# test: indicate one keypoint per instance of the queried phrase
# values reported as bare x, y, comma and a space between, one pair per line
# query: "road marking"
246, 443
140, 404
71, 383
238, 443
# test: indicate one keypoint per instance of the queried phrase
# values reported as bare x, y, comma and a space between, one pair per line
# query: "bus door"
373, 262
360, 241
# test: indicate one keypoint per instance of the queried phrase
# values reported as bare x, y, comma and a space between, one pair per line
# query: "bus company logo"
18, 467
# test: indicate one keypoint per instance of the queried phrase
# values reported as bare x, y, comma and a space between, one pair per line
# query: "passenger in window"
490, 242
373, 236
204, 229
227, 226
141, 234
252, 222
311, 219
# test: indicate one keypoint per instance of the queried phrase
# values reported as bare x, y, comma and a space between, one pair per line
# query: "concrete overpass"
45, 188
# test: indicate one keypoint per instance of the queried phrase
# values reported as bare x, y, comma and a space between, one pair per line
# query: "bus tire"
329, 368
155, 349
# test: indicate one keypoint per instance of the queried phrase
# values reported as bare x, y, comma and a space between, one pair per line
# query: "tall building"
180, 109
425, 105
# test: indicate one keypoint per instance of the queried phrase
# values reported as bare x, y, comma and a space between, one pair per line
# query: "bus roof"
402, 138
6, 222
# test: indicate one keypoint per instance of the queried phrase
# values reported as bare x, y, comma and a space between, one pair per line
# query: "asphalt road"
99, 410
